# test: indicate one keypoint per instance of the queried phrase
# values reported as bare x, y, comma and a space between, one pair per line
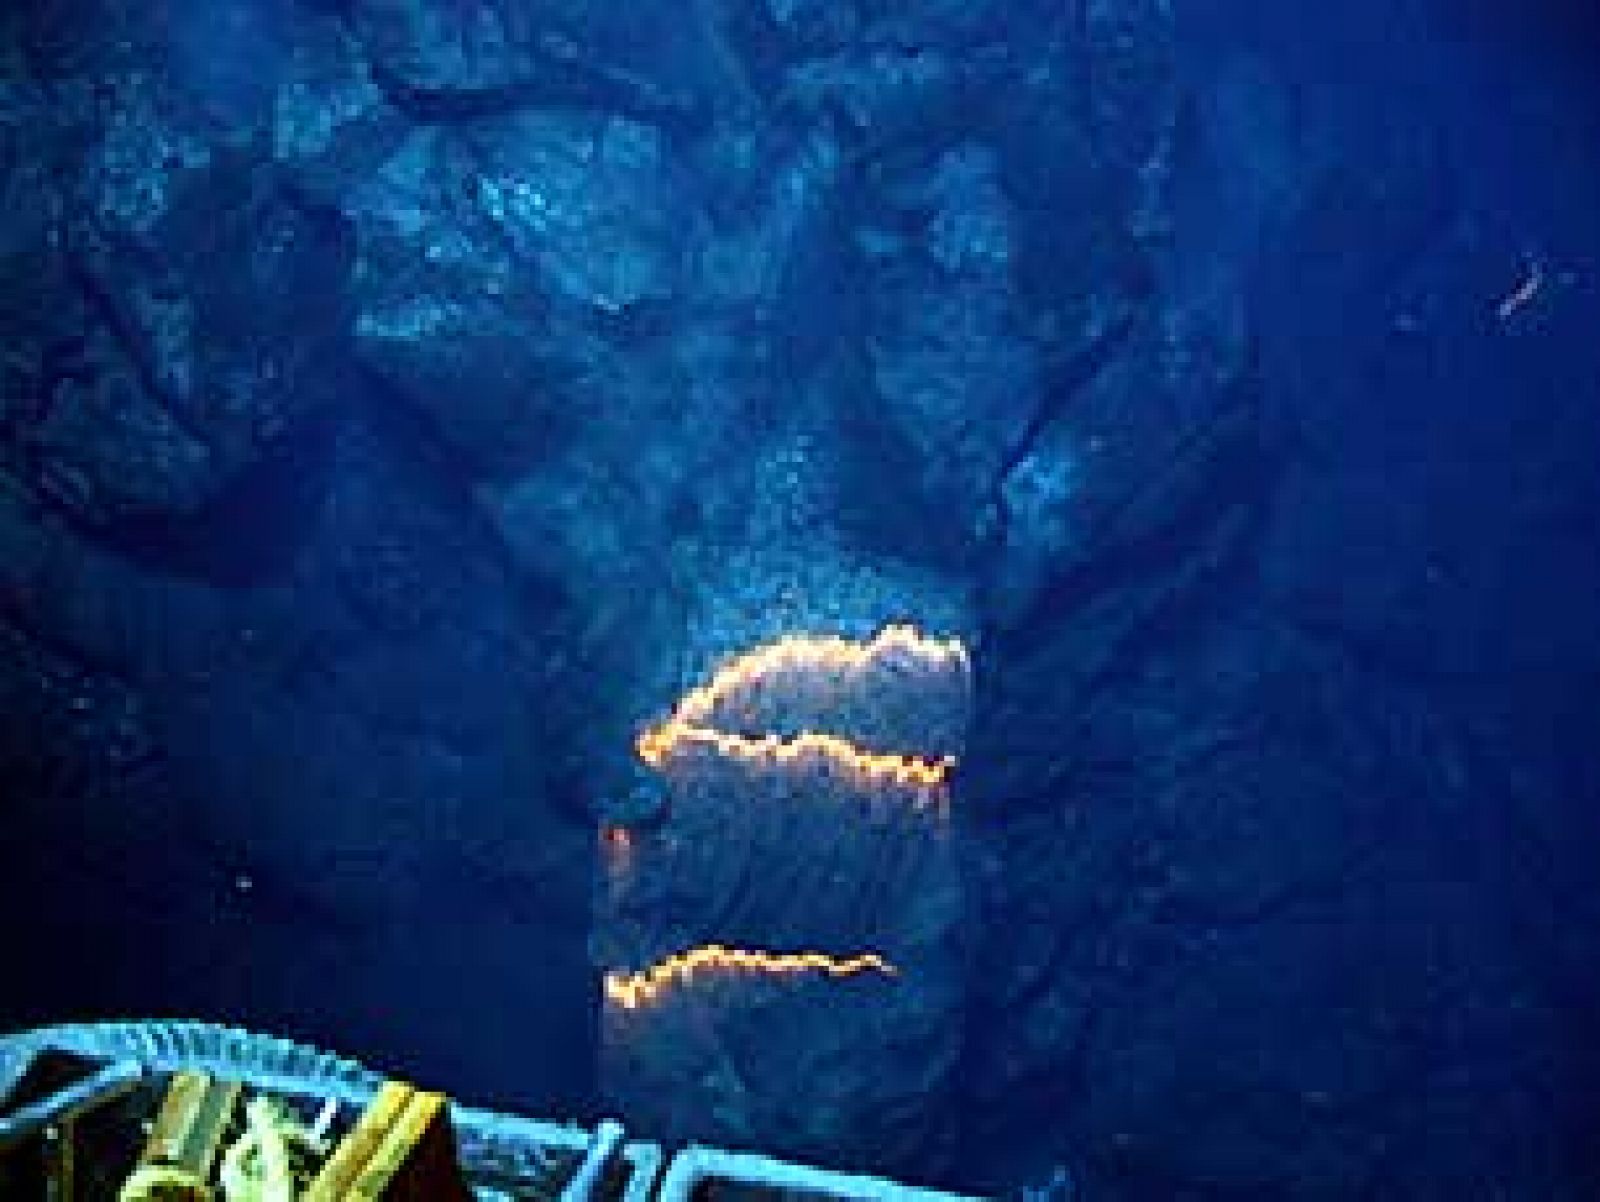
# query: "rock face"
404, 402
808, 808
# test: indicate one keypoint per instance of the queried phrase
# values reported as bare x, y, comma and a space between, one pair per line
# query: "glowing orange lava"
690, 723
632, 990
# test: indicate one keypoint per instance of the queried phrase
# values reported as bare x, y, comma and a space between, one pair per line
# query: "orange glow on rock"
633, 990
691, 723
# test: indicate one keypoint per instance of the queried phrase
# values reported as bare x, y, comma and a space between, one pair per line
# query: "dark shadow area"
249, 534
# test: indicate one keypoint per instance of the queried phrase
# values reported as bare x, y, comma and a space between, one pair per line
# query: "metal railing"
648, 1173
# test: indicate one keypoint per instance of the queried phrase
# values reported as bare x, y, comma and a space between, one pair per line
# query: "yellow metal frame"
368, 1160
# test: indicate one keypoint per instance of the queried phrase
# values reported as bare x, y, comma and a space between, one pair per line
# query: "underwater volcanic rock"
1275, 914
833, 845
366, 361
401, 400
156, 380
494, 262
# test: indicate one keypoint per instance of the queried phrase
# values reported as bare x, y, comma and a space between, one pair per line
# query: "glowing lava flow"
632, 990
691, 723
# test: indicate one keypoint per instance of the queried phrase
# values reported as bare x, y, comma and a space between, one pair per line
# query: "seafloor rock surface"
403, 401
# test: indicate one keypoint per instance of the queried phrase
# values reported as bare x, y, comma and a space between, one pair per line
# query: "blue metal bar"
67, 1104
